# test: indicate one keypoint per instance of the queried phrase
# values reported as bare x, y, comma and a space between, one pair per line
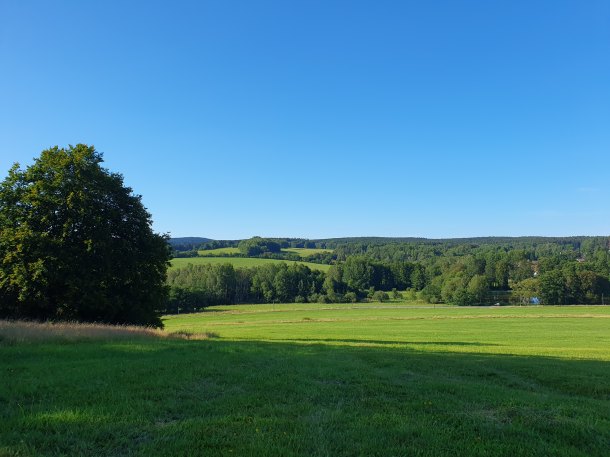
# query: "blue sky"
324, 118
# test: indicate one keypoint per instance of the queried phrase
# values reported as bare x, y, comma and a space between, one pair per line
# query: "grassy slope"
306, 252
317, 381
240, 262
219, 252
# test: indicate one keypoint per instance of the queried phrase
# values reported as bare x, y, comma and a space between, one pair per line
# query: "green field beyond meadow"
564, 332
239, 262
320, 380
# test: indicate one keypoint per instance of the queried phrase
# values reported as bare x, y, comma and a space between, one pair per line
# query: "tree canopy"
257, 246
77, 244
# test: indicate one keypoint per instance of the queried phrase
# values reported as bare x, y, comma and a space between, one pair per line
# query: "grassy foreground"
319, 380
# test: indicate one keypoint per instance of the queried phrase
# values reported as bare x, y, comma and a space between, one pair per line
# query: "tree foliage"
257, 246
75, 243
198, 286
465, 275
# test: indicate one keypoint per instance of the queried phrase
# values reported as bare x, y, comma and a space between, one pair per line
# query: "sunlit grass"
306, 252
239, 262
558, 331
218, 252
319, 380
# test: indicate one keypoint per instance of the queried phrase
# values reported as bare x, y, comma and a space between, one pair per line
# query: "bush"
350, 297
370, 293
462, 298
322, 298
381, 296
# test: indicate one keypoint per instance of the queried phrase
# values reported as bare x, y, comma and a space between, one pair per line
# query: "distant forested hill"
493, 240
187, 243
363, 244
459, 271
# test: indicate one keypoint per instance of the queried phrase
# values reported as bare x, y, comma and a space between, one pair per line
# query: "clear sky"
324, 118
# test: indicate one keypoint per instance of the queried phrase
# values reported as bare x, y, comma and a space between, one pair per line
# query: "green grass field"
568, 331
306, 252
238, 262
218, 252
320, 380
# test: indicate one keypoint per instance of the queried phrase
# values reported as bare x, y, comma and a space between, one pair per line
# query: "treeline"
268, 248
572, 283
508, 270
535, 248
198, 286
204, 244
573, 270
190, 243
360, 275
282, 242
477, 278
400, 249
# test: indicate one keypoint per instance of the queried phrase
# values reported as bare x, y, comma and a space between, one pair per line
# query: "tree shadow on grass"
389, 342
164, 397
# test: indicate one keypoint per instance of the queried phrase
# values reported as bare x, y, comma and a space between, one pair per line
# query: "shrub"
350, 297
381, 296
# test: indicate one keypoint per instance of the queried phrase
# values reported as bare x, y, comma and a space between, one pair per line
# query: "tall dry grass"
25, 331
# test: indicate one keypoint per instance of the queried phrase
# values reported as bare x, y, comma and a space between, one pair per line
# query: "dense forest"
473, 271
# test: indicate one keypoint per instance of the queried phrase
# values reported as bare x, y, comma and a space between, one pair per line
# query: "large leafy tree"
552, 288
77, 244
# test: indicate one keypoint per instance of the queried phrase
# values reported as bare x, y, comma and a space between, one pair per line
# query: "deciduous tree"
76, 243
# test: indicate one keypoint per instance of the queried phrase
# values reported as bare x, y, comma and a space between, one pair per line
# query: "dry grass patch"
24, 332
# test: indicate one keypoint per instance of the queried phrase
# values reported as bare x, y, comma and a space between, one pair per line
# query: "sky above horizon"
322, 119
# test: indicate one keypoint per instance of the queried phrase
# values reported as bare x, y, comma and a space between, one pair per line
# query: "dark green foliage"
462, 297
380, 296
217, 244
257, 246
198, 286
189, 243
350, 297
358, 273
573, 283
469, 271
76, 244
333, 283
552, 288
476, 271
477, 288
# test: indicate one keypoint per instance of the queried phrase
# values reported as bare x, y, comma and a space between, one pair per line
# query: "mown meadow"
239, 262
322, 380
219, 252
